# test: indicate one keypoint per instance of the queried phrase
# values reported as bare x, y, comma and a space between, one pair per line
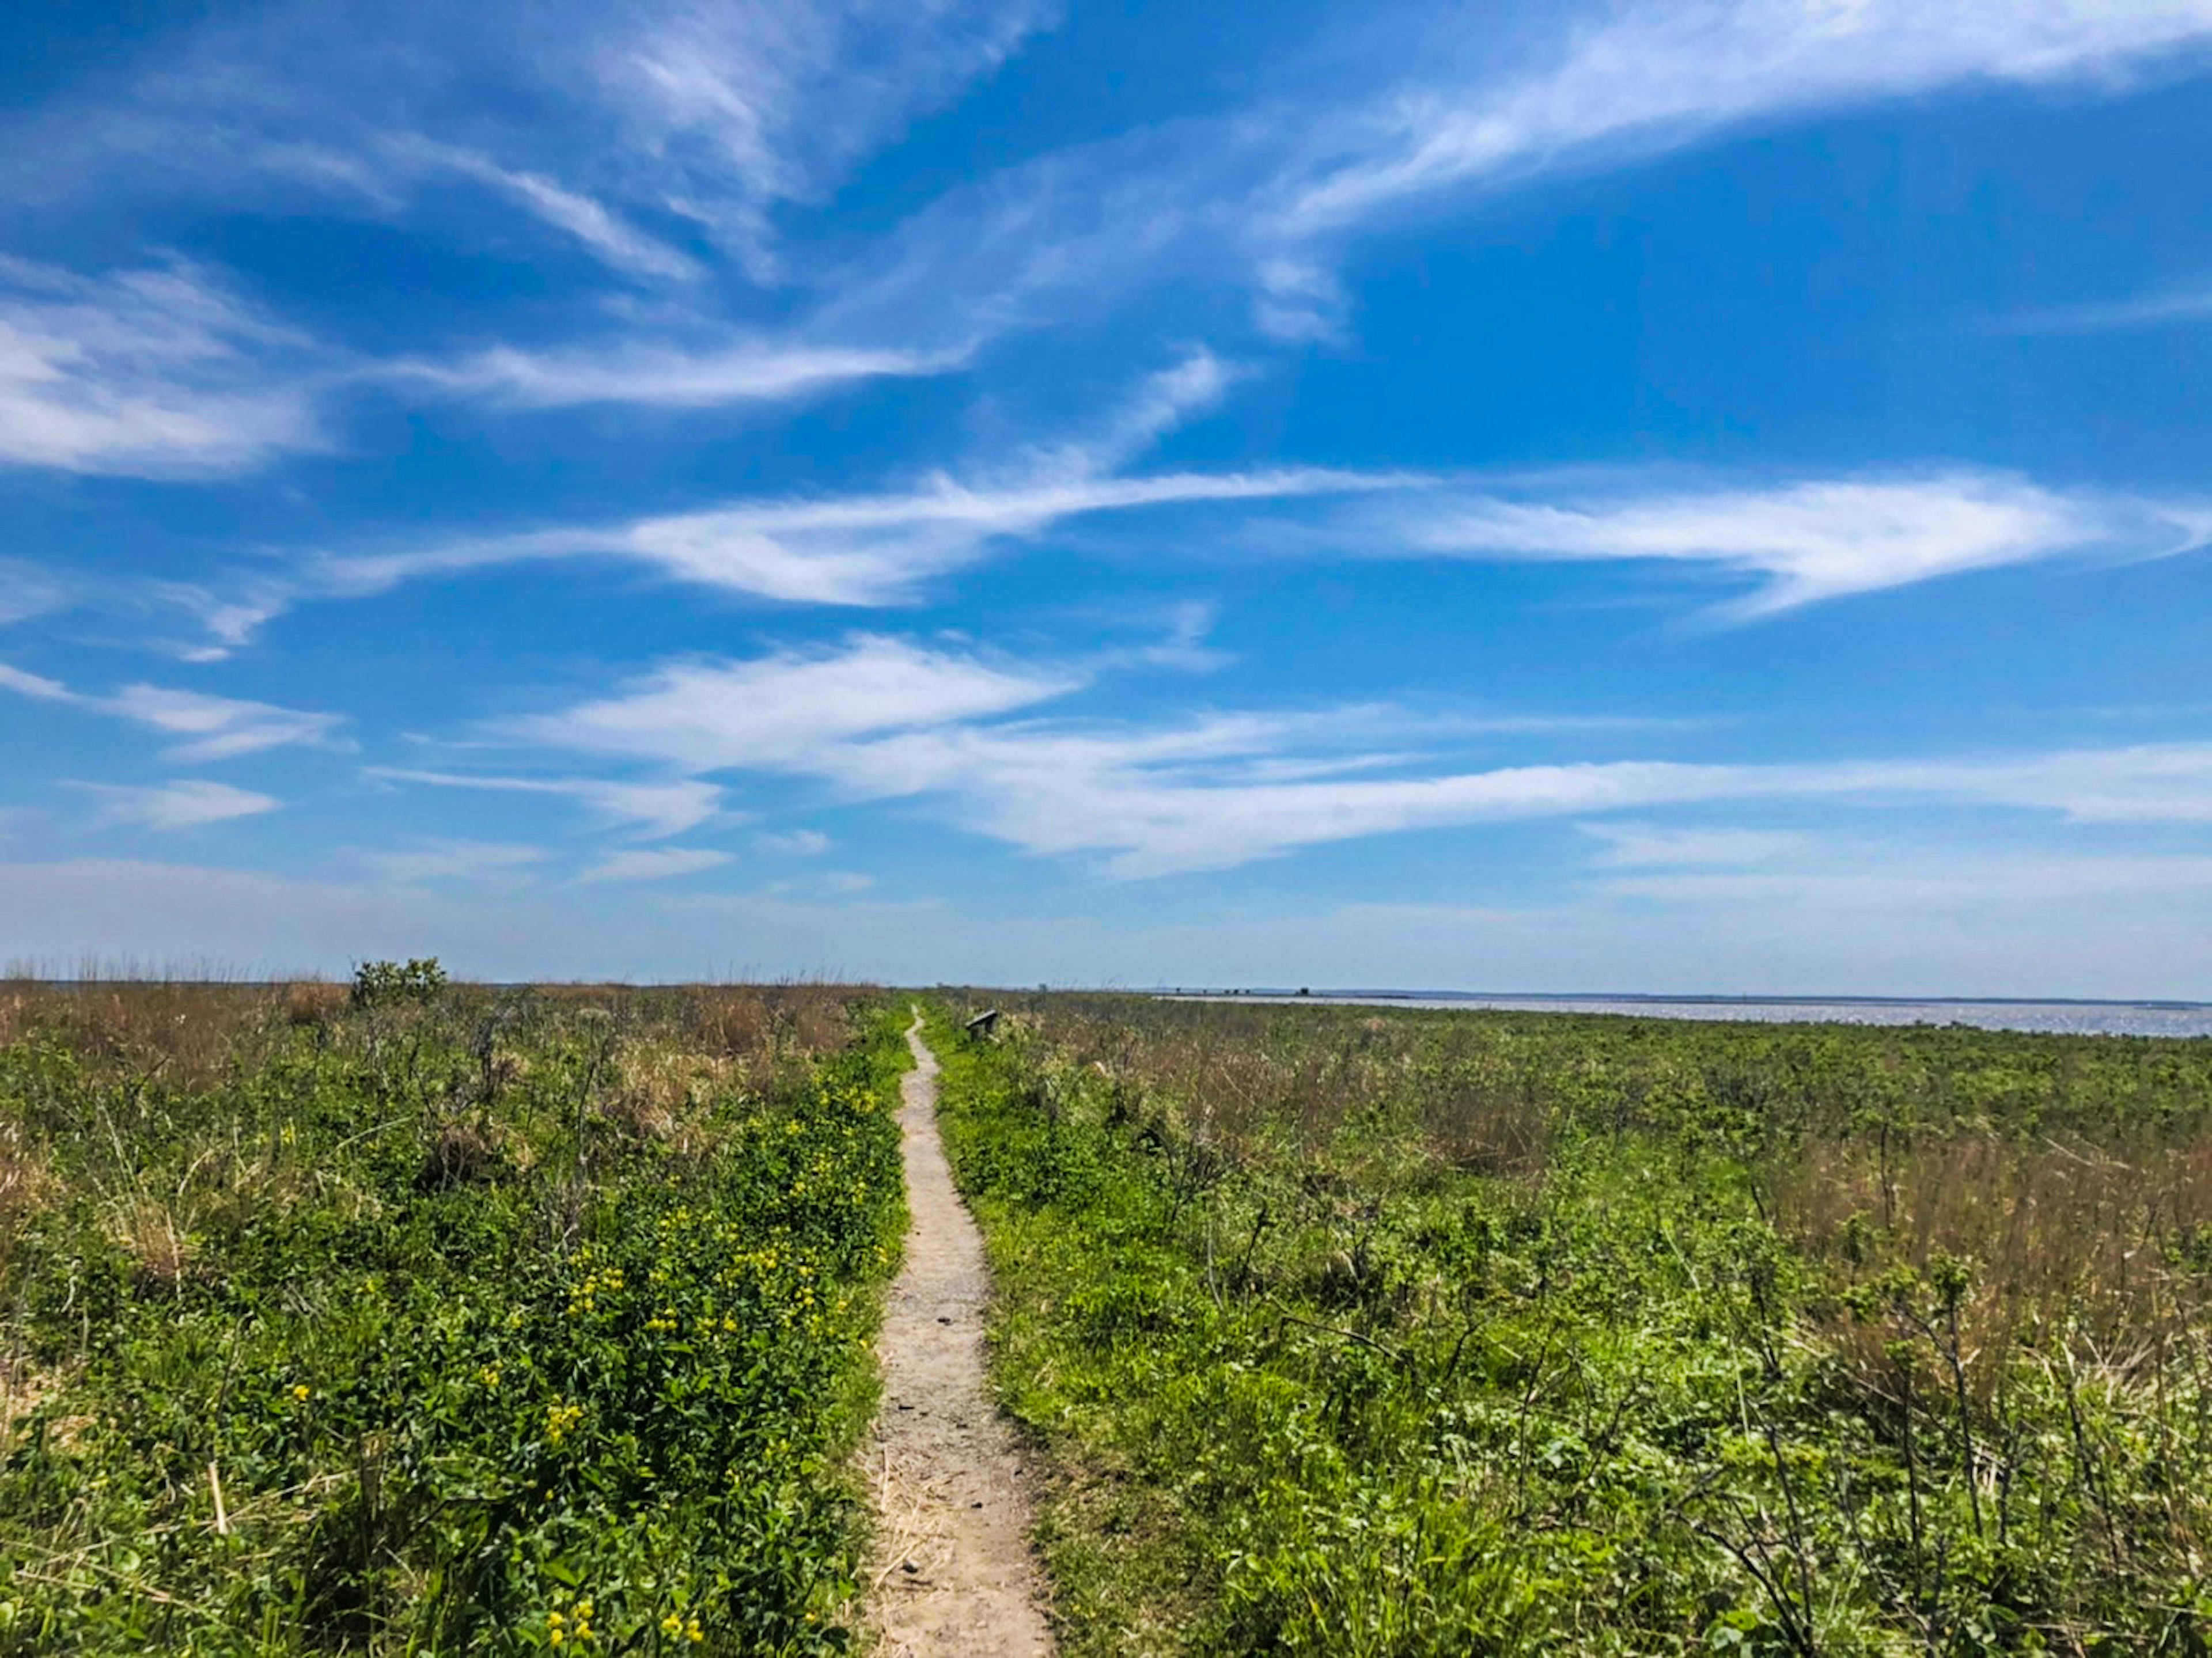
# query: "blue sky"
1688, 496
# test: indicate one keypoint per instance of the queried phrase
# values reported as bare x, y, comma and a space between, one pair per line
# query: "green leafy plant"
379, 984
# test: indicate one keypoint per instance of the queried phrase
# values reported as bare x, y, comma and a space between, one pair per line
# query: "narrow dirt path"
953, 1574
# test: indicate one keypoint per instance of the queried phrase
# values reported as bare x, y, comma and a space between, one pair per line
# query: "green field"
442, 1320
1350, 1332
431, 1319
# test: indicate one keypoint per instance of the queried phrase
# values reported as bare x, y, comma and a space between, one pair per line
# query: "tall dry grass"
2103, 1254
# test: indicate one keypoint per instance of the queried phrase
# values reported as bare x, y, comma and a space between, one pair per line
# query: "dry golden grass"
311, 1002
183, 1032
2048, 1229
157, 1238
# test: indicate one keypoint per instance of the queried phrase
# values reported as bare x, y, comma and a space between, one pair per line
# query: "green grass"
498, 1323
1390, 1334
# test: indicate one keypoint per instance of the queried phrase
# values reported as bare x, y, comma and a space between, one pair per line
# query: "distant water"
2071, 1018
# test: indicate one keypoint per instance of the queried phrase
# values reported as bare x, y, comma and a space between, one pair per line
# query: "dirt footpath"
952, 1573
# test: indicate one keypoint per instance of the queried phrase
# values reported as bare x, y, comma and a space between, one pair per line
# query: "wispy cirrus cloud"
740, 110
694, 375
432, 859
792, 843
34, 685
859, 549
27, 591
1163, 801
218, 727
1267, 191
882, 720
589, 221
655, 864
708, 117
159, 372
625, 142
211, 727
649, 809
1798, 543
774, 712
189, 803
1642, 79
1640, 845
2151, 310
163, 372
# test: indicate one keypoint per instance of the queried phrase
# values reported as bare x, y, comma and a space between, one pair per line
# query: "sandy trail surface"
952, 1572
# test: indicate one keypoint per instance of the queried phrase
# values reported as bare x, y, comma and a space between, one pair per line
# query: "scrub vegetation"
415, 1317
406, 1316
1345, 1330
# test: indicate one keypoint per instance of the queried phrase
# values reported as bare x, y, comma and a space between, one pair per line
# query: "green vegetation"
425, 1318
1350, 1332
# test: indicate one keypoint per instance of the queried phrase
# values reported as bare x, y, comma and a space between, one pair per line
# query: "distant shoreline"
1700, 1000
2051, 1015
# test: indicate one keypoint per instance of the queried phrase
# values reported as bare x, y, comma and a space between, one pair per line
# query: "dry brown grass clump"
183, 1032
157, 1238
460, 1153
662, 1089
313, 1002
2099, 1256
764, 1028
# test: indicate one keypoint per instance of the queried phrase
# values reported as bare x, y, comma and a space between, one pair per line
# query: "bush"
377, 984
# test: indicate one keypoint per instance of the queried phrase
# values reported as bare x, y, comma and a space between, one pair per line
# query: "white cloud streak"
1638, 845
1803, 542
1644, 78
189, 803
591, 222
163, 373
792, 843
218, 727
742, 109
882, 720
494, 862
656, 375
213, 727
655, 864
155, 372
876, 550
27, 591
2145, 311
34, 685
776, 712
665, 109
651, 810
